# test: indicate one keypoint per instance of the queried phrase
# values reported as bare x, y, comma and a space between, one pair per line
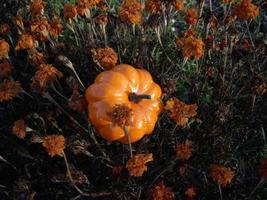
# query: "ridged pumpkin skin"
113, 87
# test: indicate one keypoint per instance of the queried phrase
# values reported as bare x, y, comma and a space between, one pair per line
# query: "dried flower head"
55, 27
121, 115
117, 170
257, 85
102, 19
4, 28
191, 16
106, 57
184, 150
37, 8
25, 42
179, 5
263, 168
137, 164
180, 112
130, 11
220, 174
160, 192
54, 144
19, 129
245, 10
69, 12
77, 101
39, 29
190, 192
45, 75
4, 49
9, 90
36, 58
153, 6
5, 69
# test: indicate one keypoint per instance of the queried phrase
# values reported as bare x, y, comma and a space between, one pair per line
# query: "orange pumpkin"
124, 85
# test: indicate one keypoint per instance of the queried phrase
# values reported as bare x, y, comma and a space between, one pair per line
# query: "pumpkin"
124, 85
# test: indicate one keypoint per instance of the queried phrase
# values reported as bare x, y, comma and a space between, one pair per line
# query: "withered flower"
179, 5
37, 8
5, 69
184, 150
77, 101
190, 192
246, 10
106, 57
45, 75
4, 28
263, 168
55, 27
220, 174
179, 111
19, 129
160, 192
40, 29
36, 58
137, 165
102, 19
257, 85
70, 11
130, 11
54, 144
117, 170
9, 90
4, 49
121, 115
153, 6
25, 42
191, 16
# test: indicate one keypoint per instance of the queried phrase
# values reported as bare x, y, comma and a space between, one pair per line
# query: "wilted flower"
54, 144
153, 6
257, 85
221, 174
179, 5
137, 165
45, 75
130, 11
9, 90
39, 29
245, 10
190, 192
4, 49
179, 111
159, 192
4, 28
121, 115
70, 11
36, 58
36, 8
106, 57
184, 150
191, 16
263, 168
102, 19
25, 42
5, 69
19, 129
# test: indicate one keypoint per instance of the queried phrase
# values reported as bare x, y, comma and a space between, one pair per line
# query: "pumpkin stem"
126, 132
136, 98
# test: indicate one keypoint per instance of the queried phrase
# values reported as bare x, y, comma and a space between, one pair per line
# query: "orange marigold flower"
19, 129
180, 112
40, 29
191, 16
19, 21
102, 19
153, 6
5, 69
4, 28
70, 11
54, 144
55, 27
102, 6
179, 5
160, 192
263, 168
121, 115
37, 8
9, 90
137, 164
106, 57
83, 6
246, 10
184, 150
220, 174
36, 58
130, 11
4, 49
190, 192
25, 42
45, 75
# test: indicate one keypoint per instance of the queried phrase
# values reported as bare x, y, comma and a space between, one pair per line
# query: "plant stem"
126, 131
